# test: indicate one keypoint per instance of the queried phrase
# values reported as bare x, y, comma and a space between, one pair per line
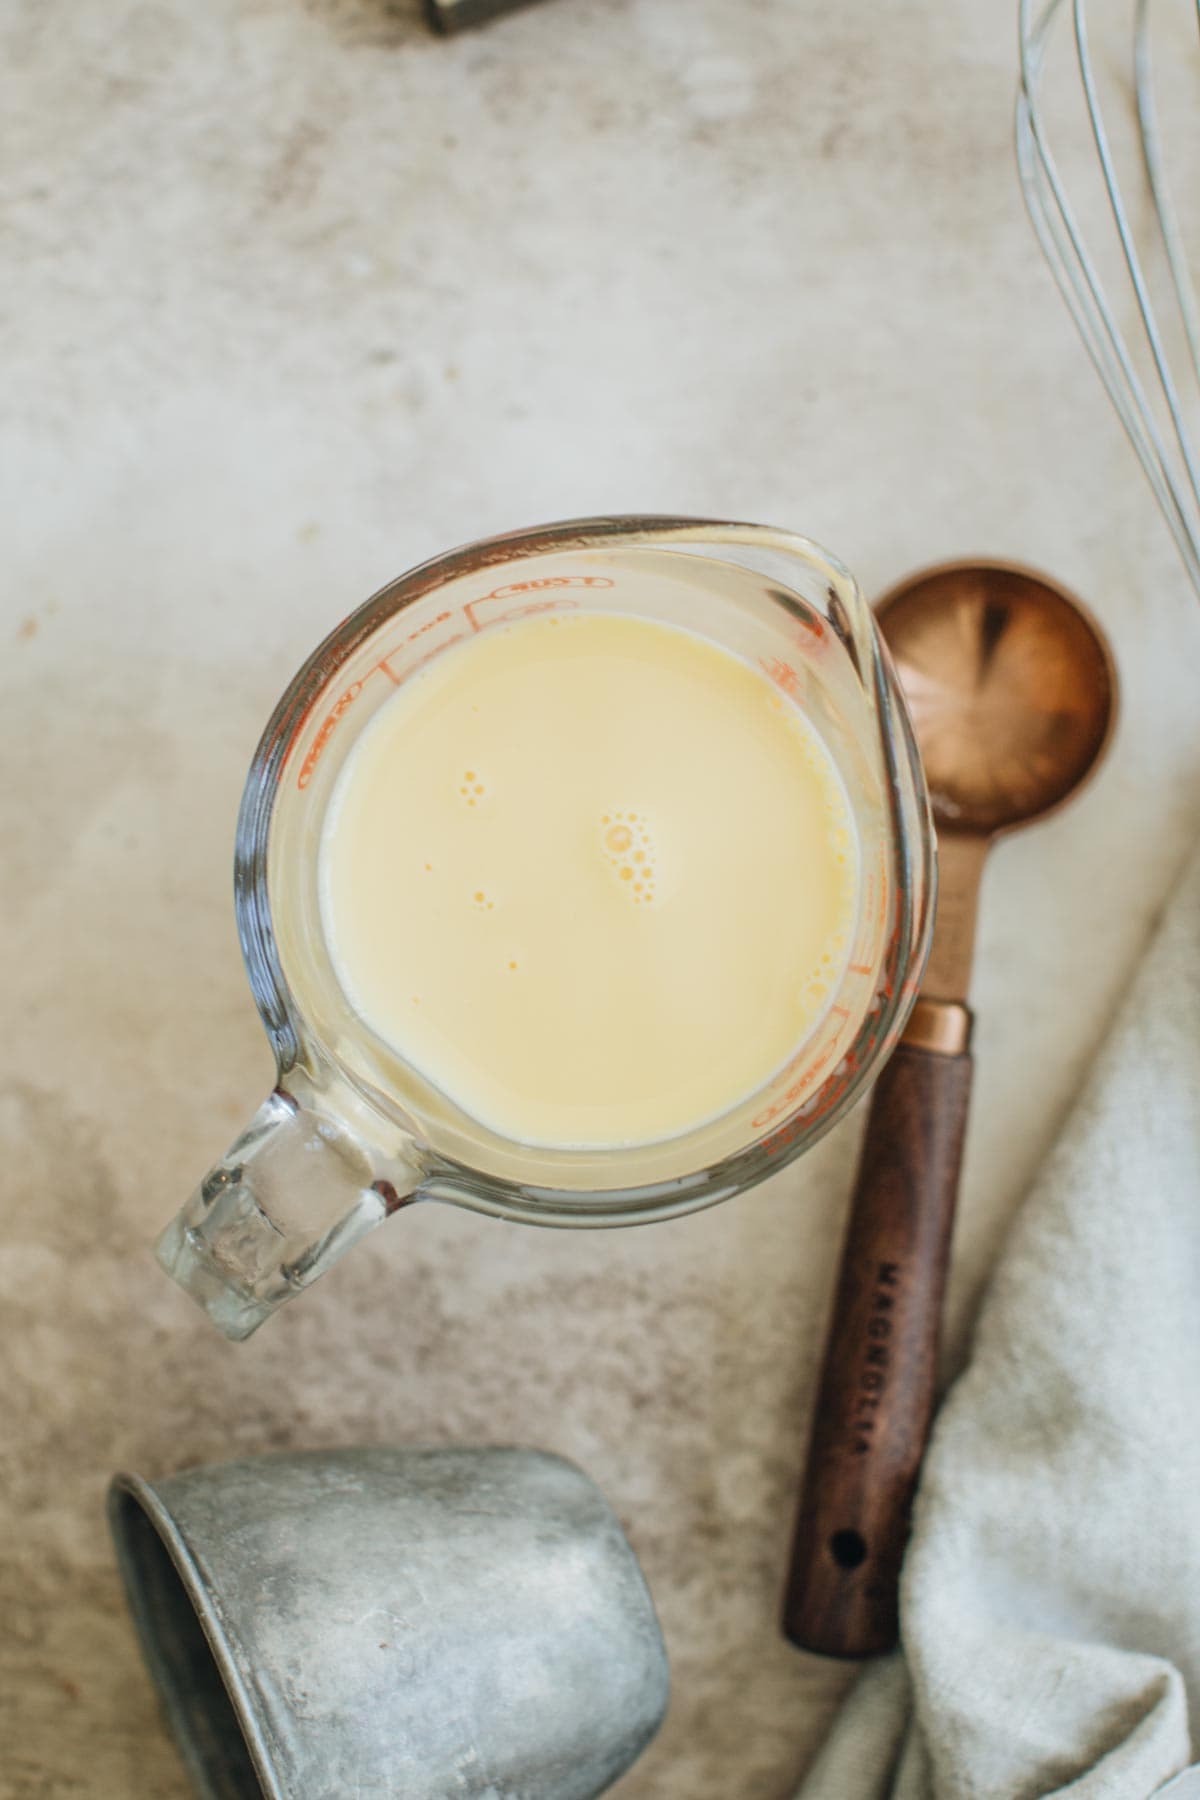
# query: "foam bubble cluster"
629, 848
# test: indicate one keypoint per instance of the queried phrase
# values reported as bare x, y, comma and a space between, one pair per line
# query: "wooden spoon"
1013, 693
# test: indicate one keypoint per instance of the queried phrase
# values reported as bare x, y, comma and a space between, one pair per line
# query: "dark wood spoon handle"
876, 1393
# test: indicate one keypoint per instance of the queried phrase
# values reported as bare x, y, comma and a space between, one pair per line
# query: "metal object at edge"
456, 1622
449, 16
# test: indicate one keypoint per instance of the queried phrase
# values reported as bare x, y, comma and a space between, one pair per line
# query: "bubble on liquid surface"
629, 848
472, 787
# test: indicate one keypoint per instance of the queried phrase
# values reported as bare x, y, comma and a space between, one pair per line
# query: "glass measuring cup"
351, 1132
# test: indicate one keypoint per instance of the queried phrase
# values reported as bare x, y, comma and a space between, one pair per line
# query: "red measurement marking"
843, 1012
860, 969
345, 701
826, 1096
326, 730
796, 1091
779, 1140
781, 673
540, 586
543, 582
511, 613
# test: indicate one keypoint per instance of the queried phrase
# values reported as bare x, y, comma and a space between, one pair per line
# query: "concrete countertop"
297, 294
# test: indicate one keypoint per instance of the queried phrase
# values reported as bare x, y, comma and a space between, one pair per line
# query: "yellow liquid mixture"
593, 876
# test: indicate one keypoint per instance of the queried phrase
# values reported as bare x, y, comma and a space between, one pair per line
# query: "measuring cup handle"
295, 1191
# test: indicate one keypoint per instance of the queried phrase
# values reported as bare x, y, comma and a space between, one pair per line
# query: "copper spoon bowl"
1013, 694
1011, 686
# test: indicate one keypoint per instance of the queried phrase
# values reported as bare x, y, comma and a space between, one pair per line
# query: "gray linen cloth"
1050, 1603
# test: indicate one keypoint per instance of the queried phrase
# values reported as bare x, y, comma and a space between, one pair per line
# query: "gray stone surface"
294, 295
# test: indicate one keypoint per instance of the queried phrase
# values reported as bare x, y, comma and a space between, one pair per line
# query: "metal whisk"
1168, 456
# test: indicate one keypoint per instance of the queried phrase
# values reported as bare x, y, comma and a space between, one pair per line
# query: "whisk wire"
1063, 245
1185, 292
1124, 231
1066, 252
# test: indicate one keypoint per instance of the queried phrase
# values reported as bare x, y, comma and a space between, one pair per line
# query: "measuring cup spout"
295, 1191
